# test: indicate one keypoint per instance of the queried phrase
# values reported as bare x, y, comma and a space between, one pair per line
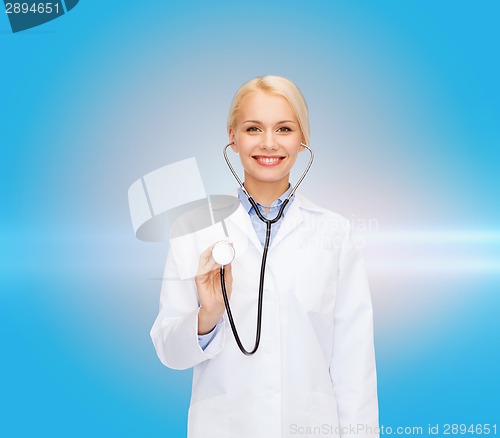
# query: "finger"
228, 272
206, 263
228, 279
206, 255
209, 266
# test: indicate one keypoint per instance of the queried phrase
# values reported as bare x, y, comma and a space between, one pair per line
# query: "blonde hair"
278, 86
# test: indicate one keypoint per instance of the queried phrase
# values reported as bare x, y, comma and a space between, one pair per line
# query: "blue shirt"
260, 226
260, 229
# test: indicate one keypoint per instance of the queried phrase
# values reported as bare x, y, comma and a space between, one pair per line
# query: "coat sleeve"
352, 366
175, 331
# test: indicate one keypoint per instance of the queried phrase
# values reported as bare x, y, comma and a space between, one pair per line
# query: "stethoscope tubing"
268, 223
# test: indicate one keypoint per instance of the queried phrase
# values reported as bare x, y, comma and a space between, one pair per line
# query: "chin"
270, 179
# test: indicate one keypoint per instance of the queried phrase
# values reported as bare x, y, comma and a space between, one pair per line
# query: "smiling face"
267, 137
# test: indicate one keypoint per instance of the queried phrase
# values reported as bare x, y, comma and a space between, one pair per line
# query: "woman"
314, 372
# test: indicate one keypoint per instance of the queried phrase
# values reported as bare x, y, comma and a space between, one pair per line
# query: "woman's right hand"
209, 291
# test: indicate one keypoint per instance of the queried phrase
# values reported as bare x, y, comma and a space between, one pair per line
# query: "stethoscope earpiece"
231, 168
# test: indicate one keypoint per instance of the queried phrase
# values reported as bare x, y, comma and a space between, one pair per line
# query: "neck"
265, 193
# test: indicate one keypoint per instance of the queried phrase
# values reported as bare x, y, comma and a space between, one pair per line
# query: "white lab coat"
314, 373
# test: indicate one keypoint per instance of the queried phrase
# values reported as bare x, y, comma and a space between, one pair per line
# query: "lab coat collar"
241, 219
292, 219
294, 216
306, 204
248, 206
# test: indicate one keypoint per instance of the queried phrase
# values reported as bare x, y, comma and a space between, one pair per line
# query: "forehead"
259, 104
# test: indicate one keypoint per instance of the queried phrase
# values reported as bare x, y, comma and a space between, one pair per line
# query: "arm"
175, 331
352, 366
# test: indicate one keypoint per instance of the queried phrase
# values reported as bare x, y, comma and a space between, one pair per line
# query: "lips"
268, 160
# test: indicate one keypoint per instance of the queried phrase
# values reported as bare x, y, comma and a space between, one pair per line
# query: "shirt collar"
246, 203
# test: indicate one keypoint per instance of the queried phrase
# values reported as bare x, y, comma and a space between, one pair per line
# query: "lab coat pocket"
324, 413
209, 418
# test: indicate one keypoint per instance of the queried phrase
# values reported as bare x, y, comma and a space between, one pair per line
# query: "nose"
269, 141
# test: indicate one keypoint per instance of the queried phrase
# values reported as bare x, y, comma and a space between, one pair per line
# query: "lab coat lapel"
241, 219
293, 218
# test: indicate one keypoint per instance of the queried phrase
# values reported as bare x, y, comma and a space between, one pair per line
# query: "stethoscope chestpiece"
223, 252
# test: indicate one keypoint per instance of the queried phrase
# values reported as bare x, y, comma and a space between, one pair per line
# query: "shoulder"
324, 228
313, 212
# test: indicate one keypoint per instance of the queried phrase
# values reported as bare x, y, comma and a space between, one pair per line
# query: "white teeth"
268, 160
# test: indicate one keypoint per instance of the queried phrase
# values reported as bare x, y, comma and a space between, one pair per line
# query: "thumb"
228, 272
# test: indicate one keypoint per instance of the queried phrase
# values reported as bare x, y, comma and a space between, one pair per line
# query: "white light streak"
433, 251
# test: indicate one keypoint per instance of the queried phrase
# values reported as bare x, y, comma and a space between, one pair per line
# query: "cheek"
246, 143
292, 141
293, 147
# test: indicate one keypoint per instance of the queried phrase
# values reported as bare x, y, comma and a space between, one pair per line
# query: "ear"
303, 141
232, 140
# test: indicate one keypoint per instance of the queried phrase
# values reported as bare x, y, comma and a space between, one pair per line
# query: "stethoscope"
223, 252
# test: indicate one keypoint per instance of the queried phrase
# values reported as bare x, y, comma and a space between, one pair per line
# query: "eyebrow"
279, 123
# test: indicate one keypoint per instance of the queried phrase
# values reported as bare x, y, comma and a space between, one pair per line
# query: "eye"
252, 129
284, 129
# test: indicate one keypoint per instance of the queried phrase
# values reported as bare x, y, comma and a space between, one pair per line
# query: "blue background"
404, 106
